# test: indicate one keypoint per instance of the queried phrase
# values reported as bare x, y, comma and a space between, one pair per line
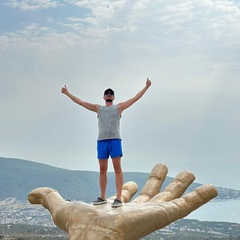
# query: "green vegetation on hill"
19, 177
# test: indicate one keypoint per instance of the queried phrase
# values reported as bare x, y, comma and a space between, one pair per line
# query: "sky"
188, 119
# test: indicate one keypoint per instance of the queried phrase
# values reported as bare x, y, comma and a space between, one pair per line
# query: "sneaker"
116, 203
99, 201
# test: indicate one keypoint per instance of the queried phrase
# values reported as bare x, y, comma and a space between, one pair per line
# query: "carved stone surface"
150, 211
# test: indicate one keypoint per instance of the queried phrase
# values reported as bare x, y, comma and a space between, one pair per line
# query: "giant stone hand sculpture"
147, 213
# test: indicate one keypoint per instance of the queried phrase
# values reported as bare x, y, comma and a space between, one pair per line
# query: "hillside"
19, 177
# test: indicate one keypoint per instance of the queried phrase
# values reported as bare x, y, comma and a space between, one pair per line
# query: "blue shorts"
110, 147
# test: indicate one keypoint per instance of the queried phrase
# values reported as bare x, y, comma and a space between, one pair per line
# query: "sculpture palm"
147, 213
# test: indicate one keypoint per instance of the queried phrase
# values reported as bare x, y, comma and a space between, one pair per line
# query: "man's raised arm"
89, 106
124, 105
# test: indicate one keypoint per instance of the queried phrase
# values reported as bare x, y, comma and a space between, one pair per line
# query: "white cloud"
38, 39
4, 43
190, 50
103, 11
89, 20
32, 5
200, 26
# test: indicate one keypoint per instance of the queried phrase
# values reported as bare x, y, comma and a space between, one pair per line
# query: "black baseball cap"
109, 90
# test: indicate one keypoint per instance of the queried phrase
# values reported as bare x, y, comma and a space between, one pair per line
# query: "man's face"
108, 97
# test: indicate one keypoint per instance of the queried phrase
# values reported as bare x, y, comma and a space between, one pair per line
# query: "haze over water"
220, 211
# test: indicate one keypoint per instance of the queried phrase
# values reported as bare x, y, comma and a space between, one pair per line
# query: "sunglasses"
108, 93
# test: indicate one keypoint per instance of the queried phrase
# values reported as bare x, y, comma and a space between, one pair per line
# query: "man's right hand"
148, 83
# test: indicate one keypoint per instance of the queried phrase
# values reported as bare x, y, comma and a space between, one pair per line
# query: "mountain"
19, 177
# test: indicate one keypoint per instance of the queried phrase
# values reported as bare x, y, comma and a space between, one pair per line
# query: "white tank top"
108, 122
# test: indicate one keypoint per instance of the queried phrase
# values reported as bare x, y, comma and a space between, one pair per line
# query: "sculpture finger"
196, 198
153, 184
129, 189
176, 188
158, 215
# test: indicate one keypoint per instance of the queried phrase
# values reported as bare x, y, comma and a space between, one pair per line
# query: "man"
109, 140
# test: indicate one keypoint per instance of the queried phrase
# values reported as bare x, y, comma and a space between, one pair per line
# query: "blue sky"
188, 119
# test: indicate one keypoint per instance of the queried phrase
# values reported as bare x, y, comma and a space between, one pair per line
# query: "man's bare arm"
89, 106
124, 105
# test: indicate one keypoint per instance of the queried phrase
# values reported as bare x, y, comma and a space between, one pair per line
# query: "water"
221, 211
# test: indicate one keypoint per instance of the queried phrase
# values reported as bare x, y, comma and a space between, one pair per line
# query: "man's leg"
103, 165
118, 176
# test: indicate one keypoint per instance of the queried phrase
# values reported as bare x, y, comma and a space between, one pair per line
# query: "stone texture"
150, 211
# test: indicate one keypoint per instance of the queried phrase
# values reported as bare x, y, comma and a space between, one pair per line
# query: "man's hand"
148, 83
64, 89
150, 211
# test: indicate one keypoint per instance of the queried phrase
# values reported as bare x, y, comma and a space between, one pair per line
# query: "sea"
220, 211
